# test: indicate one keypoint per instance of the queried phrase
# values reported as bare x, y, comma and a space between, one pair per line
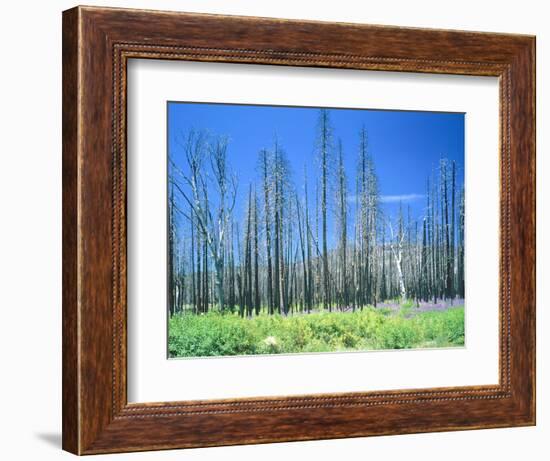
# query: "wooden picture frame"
97, 43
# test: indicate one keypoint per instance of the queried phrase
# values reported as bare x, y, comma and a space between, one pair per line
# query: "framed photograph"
282, 230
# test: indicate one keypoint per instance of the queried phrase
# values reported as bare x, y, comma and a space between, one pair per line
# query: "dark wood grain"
70, 384
97, 43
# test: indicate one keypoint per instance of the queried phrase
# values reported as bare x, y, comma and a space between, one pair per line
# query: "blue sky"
405, 145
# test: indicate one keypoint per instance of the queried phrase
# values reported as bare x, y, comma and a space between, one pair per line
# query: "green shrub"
217, 334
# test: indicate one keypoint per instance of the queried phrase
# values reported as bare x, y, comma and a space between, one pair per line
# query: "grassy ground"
216, 334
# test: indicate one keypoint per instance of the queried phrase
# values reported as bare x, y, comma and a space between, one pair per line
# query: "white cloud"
401, 198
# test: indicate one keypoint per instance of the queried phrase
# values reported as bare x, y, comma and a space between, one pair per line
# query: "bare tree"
172, 229
266, 169
373, 254
342, 221
280, 178
396, 246
257, 302
324, 146
308, 232
213, 219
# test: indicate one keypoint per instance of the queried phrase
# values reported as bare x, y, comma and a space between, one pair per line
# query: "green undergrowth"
216, 334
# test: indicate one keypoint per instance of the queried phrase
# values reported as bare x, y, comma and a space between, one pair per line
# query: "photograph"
308, 230
277, 226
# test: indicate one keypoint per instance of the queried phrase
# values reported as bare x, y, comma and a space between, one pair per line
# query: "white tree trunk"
402, 290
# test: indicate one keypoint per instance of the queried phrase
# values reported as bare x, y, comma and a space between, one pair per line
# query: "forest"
298, 247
